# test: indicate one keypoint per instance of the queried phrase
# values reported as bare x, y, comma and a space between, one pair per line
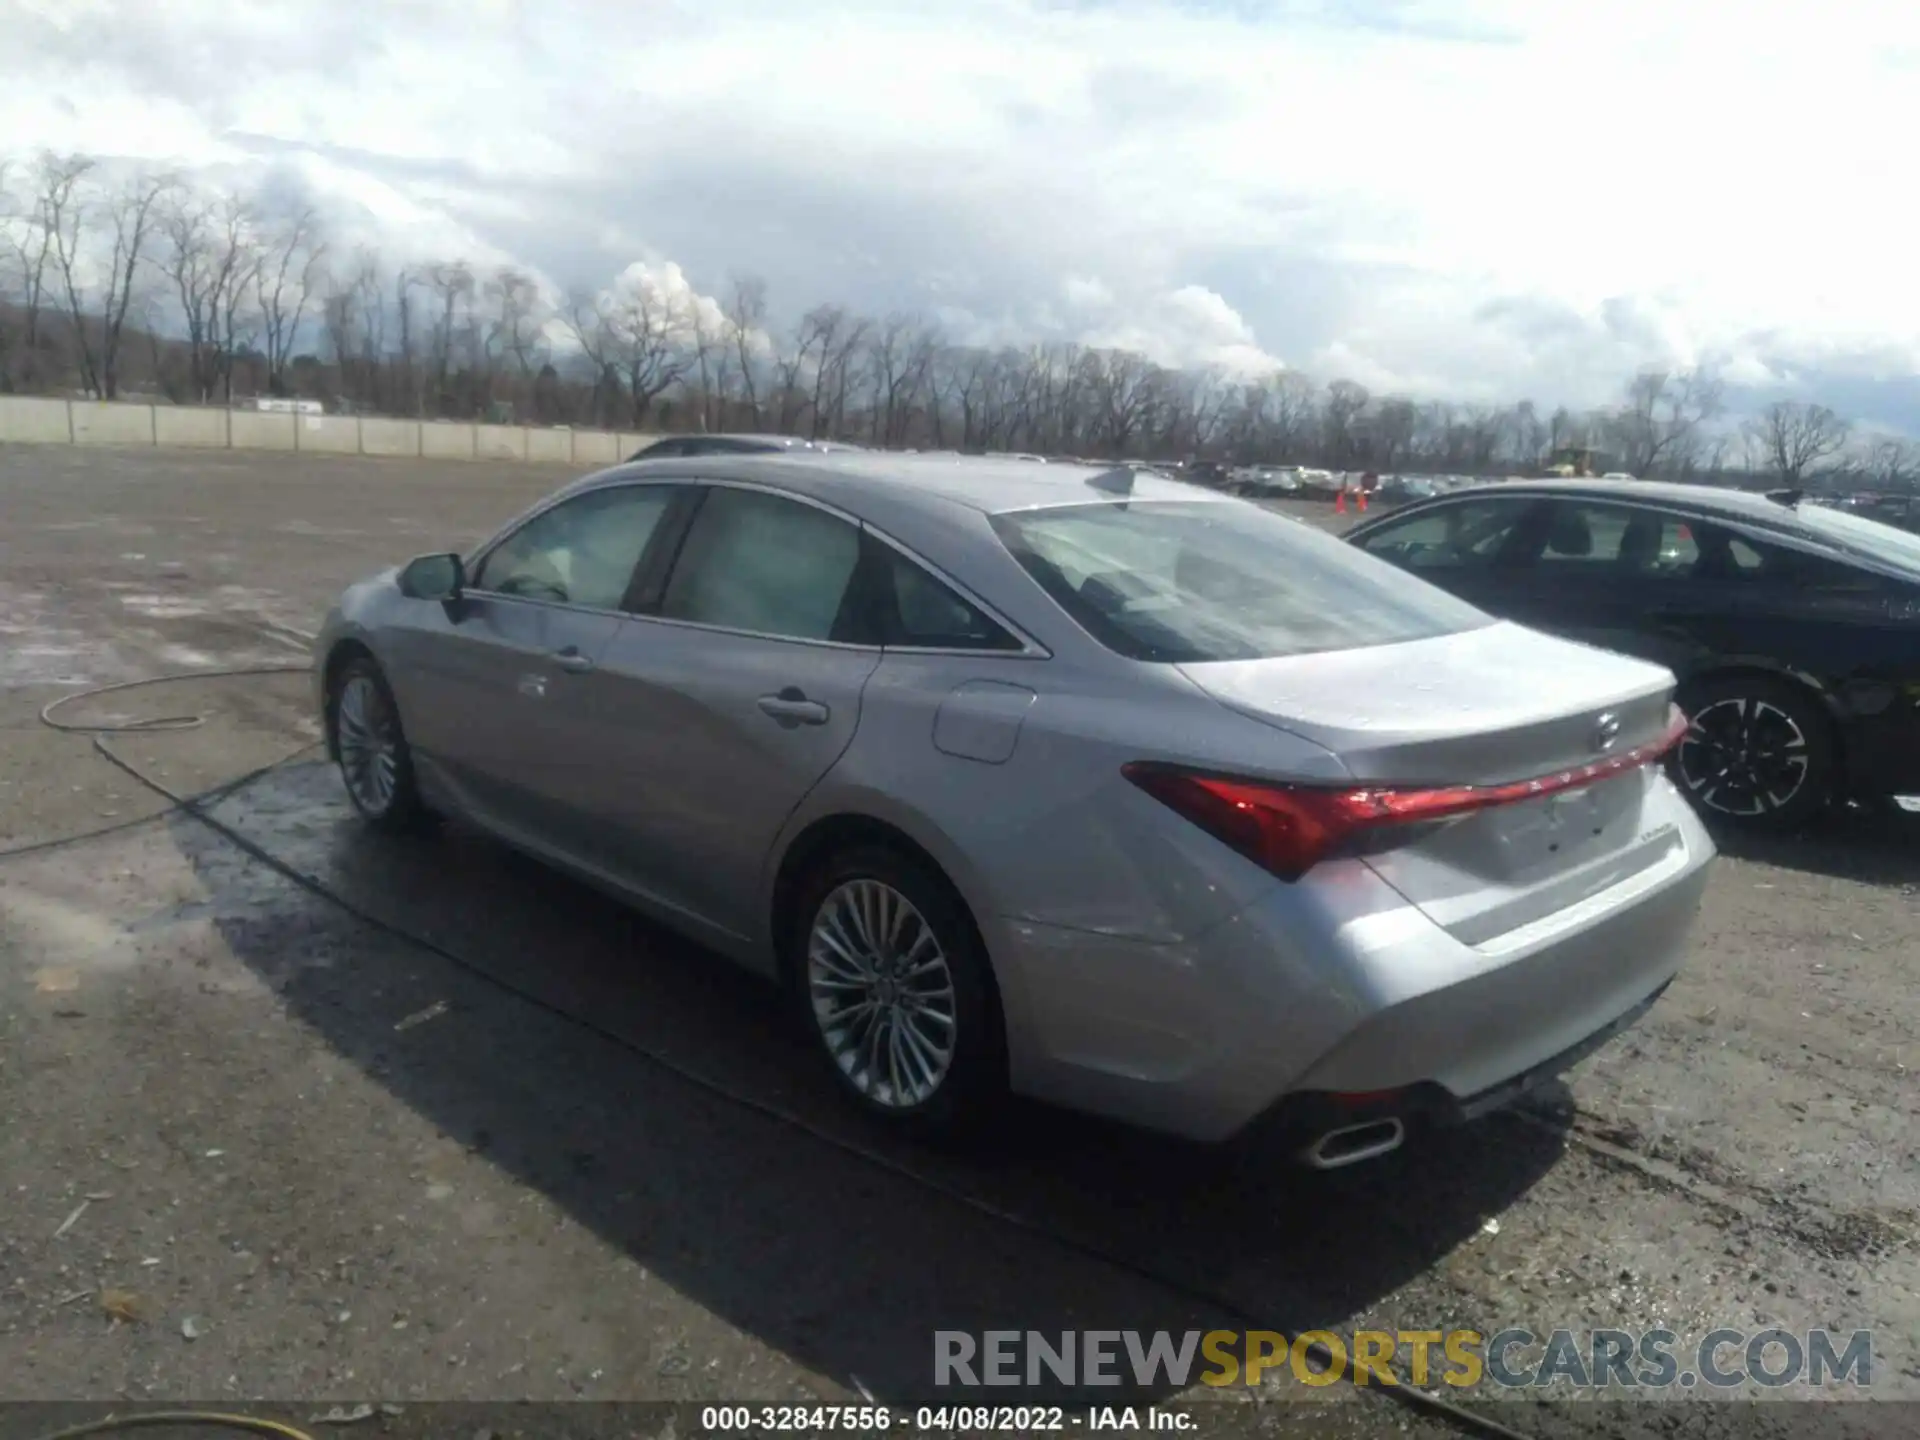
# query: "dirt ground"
350, 1119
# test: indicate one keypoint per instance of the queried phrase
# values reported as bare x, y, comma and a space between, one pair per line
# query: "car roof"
776, 442
1747, 506
858, 480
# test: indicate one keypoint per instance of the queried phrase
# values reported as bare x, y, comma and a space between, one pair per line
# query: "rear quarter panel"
1053, 833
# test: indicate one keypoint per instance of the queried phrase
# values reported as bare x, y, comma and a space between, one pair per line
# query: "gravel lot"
430, 1124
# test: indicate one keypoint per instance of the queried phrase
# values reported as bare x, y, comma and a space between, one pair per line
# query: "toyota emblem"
1606, 730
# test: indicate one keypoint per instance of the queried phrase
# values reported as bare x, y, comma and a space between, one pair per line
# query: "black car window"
581, 552
927, 614
661, 450
1582, 537
1449, 538
1874, 539
1819, 574
1727, 557
765, 564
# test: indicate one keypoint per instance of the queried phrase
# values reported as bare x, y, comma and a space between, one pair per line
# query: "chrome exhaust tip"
1351, 1144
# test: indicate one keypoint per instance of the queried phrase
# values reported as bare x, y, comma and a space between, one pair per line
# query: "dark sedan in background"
1794, 629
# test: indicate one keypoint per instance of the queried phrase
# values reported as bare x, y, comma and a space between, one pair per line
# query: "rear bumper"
1337, 987
1302, 1115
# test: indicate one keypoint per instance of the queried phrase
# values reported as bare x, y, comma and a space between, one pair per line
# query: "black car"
679, 447
1794, 630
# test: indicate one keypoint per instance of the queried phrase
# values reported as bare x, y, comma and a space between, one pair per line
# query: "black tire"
1760, 754
397, 808
974, 1078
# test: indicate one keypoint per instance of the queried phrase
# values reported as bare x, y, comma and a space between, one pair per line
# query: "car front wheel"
371, 748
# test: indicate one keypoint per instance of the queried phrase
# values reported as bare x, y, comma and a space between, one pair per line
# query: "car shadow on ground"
760, 1211
1876, 844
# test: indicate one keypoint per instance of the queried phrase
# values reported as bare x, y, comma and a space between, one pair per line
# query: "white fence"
26, 419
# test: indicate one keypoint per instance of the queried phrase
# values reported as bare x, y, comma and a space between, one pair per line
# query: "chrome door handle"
792, 707
572, 661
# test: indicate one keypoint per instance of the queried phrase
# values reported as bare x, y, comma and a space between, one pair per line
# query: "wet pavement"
350, 1117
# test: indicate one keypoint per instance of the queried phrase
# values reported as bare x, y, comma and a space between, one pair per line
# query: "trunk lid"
1482, 707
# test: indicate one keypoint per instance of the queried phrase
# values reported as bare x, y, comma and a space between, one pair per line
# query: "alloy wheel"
1744, 757
368, 736
882, 994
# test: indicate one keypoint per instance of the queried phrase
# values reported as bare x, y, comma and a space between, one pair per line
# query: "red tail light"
1288, 829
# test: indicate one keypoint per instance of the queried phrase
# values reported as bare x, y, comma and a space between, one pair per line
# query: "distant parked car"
1794, 629
679, 447
1060, 779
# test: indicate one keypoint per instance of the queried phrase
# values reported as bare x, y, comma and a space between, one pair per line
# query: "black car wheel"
1758, 753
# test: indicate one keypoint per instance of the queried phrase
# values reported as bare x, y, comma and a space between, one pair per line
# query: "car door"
510, 679
729, 696
1465, 546
1605, 573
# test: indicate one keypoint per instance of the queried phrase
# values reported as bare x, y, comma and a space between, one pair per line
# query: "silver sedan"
1113, 791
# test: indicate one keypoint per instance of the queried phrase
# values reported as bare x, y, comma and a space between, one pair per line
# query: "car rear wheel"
1758, 753
371, 747
895, 991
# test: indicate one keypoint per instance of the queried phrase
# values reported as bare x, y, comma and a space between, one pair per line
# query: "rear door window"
1189, 581
767, 565
1591, 538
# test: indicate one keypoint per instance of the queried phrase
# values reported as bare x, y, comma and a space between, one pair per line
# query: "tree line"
115, 283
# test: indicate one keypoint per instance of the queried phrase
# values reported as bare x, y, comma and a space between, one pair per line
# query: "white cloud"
1478, 197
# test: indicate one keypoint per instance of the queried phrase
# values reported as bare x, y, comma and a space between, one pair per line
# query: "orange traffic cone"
1361, 496
1340, 502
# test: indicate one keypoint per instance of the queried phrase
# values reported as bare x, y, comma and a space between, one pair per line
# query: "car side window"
581, 552
927, 614
765, 564
1449, 538
1834, 577
1616, 538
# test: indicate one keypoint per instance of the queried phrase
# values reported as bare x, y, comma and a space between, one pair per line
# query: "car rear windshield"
1885, 543
1186, 581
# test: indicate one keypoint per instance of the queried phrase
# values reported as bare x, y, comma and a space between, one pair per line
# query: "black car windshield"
1186, 581
1885, 543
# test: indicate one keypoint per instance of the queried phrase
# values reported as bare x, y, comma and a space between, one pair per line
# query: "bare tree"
1794, 438
1394, 426
825, 343
747, 320
514, 344
450, 329
1345, 404
1892, 464
12, 274
353, 316
293, 252
211, 258
632, 332
708, 345
1663, 416
899, 355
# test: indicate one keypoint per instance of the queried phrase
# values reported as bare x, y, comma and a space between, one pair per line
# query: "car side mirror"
433, 577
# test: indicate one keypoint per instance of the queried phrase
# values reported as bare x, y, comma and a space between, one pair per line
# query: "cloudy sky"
1481, 199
